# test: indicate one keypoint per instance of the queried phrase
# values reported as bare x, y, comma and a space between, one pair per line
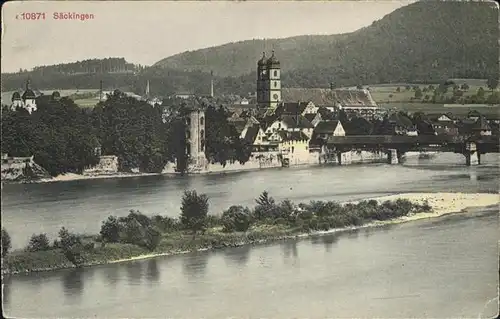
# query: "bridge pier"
393, 157
344, 158
472, 155
472, 158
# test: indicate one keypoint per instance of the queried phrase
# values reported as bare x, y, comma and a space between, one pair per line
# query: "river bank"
178, 242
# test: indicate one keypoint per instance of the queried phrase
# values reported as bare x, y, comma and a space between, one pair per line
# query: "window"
202, 145
188, 121
293, 148
202, 120
202, 135
275, 84
275, 73
188, 148
188, 134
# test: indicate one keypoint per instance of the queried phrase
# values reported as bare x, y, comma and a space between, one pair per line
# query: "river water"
444, 267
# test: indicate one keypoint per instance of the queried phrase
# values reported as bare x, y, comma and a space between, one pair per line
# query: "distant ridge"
424, 42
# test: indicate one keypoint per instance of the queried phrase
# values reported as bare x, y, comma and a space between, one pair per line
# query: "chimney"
100, 91
297, 114
211, 83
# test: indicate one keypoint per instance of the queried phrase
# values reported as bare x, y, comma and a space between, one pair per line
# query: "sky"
144, 32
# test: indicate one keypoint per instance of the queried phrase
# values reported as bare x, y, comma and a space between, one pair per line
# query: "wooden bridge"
397, 145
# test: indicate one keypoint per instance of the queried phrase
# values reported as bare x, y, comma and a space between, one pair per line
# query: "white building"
26, 101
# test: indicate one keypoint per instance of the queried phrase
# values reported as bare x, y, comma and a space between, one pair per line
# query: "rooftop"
328, 97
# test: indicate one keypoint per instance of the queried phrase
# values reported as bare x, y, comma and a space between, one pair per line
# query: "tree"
6, 242
236, 218
492, 83
194, 211
38, 242
480, 93
398, 89
110, 230
71, 246
418, 93
359, 87
464, 87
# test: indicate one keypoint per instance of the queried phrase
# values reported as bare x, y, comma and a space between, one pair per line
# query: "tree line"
64, 138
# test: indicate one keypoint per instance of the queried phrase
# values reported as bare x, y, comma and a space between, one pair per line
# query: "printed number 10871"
33, 16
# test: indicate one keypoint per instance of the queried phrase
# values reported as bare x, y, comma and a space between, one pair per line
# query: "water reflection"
329, 240
194, 265
134, 272
238, 256
112, 274
352, 233
290, 249
6, 283
152, 271
73, 282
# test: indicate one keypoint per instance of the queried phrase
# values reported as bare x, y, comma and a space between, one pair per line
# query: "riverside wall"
300, 157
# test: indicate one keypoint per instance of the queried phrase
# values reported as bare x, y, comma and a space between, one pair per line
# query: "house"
314, 118
475, 127
442, 117
397, 124
291, 123
474, 115
249, 122
255, 136
445, 128
327, 129
183, 95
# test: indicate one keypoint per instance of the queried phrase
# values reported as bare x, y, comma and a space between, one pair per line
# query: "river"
444, 267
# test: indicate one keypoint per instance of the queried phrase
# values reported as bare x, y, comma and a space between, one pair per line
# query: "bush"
6, 242
165, 224
286, 209
71, 245
236, 218
194, 211
38, 243
266, 207
213, 221
110, 230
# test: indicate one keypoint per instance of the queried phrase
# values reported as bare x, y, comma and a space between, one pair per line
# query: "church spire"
211, 83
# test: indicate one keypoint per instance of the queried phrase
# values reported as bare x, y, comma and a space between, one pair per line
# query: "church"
271, 95
26, 101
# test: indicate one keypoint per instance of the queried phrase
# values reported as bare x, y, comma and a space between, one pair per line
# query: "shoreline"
441, 203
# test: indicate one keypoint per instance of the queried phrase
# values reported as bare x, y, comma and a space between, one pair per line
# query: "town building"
27, 100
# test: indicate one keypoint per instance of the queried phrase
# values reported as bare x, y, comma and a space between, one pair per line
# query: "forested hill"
90, 66
422, 41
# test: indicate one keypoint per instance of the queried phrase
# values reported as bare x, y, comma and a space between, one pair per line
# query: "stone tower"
268, 82
195, 140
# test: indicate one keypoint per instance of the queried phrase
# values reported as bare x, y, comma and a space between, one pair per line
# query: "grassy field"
458, 110
388, 93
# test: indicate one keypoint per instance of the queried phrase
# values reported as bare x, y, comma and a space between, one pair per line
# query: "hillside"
424, 41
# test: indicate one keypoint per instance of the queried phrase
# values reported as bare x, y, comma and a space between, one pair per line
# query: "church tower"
268, 82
